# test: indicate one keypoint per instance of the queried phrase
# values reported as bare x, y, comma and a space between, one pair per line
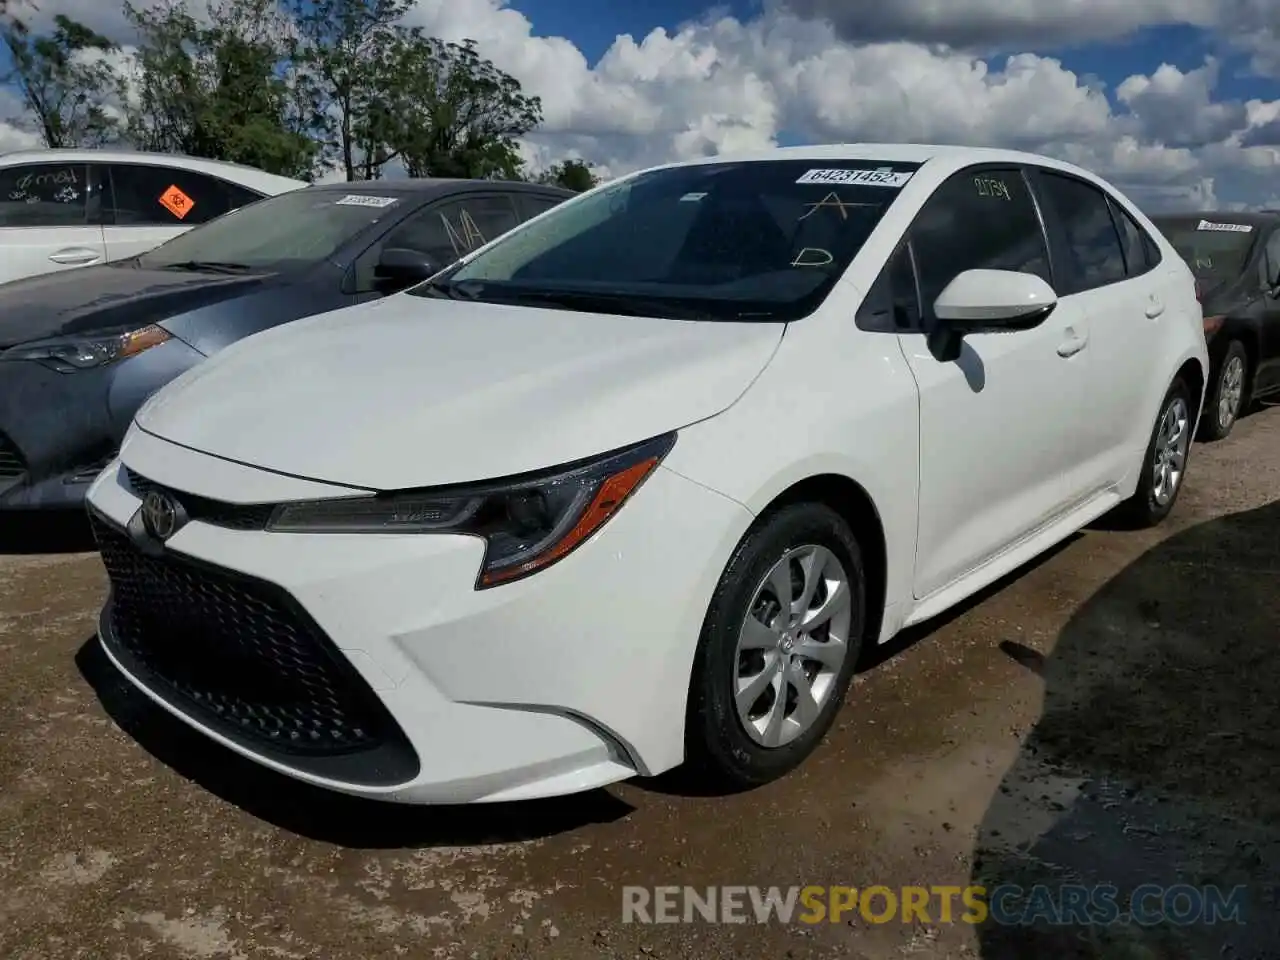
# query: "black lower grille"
241, 656
12, 466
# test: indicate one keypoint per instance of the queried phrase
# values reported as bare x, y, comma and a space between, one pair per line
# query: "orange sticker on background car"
176, 202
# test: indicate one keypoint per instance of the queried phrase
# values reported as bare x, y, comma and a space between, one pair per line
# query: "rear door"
148, 205
1106, 274
49, 216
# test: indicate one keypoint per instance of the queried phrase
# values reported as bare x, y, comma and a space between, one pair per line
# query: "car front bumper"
58, 430
567, 680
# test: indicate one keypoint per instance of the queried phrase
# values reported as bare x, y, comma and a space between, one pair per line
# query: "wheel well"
1191, 373
847, 498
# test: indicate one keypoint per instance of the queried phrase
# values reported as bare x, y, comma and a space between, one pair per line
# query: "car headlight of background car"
527, 523
73, 354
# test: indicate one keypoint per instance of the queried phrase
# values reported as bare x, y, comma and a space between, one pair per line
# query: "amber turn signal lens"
613, 492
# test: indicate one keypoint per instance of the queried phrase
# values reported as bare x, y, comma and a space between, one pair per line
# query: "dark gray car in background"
81, 352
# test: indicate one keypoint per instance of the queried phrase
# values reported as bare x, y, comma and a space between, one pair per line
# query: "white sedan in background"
635, 484
72, 208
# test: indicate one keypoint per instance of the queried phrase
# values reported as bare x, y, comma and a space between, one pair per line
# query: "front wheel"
778, 648
1165, 463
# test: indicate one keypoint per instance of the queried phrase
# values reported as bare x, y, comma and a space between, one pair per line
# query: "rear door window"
169, 196
1094, 250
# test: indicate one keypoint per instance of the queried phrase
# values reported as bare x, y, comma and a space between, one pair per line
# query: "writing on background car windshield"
1225, 227
364, 200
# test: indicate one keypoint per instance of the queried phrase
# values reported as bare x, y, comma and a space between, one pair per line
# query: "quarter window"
44, 195
977, 220
1135, 254
1094, 250
170, 196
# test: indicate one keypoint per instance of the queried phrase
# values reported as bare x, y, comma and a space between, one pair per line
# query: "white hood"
411, 392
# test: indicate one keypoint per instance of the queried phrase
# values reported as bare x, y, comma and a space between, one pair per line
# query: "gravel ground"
1107, 716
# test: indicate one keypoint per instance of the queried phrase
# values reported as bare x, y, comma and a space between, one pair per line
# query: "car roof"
921, 153
251, 177
435, 185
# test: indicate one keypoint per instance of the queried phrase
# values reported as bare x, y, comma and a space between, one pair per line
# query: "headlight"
527, 523
71, 354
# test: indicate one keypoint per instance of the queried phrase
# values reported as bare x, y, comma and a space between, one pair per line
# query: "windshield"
302, 226
1216, 252
745, 240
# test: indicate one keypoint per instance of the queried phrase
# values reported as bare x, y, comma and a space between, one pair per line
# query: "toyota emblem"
161, 515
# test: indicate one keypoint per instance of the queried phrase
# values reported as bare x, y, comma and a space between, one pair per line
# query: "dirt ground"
1109, 716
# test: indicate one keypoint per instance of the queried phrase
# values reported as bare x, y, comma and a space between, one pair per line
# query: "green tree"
346, 53
222, 89
575, 175
456, 114
64, 79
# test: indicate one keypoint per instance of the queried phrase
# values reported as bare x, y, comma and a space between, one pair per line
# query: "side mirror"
404, 267
988, 301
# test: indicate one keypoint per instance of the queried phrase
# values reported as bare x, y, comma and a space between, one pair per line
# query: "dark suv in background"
1236, 260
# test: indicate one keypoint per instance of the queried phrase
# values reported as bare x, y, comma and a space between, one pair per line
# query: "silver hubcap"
1232, 391
792, 645
1172, 440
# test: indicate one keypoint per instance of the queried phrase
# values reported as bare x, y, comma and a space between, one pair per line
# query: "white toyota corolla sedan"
635, 484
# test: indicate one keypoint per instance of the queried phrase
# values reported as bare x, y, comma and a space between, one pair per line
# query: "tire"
726, 748
1228, 396
1151, 503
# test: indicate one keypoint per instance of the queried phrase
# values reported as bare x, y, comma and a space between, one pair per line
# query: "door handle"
75, 255
1155, 307
1072, 345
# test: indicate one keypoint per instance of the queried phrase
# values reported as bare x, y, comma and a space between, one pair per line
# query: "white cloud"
723, 85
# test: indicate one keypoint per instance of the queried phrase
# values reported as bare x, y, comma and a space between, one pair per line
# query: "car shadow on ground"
44, 532
1156, 761
321, 814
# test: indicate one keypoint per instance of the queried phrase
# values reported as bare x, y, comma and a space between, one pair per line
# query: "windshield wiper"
207, 266
437, 288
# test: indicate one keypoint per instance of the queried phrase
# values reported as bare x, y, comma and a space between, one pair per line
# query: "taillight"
1199, 291
1212, 325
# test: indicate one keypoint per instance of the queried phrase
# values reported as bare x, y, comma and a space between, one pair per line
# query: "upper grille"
241, 656
233, 516
12, 465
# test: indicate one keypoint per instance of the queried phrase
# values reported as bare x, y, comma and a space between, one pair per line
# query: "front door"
1001, 426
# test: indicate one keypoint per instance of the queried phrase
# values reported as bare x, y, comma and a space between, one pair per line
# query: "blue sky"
1123, 87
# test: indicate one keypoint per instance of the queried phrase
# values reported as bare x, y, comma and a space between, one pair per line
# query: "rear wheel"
778, 648
1228, 395
1165, 463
